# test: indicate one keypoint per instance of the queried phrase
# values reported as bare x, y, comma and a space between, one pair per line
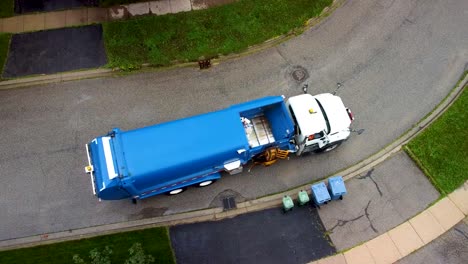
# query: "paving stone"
451, 248
460, 198
336, 259
13, 24
55, 19
76, 17
180, 6
97, 15
33, 22
1, 25
160, 7
427, 227
446, 213
118, 12
405, 238
139, 9
383, 250
204, 4
359, 255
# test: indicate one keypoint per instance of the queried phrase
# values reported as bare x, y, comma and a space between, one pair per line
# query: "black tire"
176, 191
329, 147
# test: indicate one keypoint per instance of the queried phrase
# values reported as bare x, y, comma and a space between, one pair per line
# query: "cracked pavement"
377, 201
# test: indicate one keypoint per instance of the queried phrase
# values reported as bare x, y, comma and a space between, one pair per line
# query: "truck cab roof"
308, 114
323, 112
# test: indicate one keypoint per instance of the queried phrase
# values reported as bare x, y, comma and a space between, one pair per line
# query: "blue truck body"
144, 162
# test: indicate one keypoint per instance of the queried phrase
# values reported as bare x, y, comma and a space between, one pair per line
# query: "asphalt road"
396, 59
261, 237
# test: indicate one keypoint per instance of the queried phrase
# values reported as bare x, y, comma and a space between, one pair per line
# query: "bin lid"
320, 192
336, 184
303, 196
288, 202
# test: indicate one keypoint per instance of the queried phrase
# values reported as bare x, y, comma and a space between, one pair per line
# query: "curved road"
396, 58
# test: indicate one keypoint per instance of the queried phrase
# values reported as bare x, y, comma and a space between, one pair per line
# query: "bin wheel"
341, 197
134, 201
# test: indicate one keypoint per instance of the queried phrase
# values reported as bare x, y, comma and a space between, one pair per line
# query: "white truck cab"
322, 122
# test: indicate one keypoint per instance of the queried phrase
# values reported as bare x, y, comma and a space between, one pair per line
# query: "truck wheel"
176, 191
329, 147
205, 183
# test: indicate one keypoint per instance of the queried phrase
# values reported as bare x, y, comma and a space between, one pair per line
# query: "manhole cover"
299, 74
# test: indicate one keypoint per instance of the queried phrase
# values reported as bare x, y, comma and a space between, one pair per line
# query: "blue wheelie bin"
320, 194
336, 187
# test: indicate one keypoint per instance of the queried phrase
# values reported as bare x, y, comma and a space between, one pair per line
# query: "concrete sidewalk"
411, 235
92, 15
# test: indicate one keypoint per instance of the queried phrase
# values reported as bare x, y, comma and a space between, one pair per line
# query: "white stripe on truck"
109, 159
91, 172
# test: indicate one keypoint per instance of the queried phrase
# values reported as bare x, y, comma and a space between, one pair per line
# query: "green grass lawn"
4, 46
441, 150
155, 242
163, 40
7, 8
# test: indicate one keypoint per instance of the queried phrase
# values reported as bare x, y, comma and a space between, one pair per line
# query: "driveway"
261, 237
27, 6
377, 201
58, 50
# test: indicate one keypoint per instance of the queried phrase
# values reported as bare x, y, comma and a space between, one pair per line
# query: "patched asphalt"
267, 236
27, 6
52, 51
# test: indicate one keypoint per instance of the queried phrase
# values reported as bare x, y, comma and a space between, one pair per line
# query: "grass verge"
4, 46
441, 150
187, 36
7, 8
154, 241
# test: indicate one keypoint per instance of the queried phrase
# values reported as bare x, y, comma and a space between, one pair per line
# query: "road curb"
213, 214
55, 78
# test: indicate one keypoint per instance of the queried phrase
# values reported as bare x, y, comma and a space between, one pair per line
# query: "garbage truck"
167, 158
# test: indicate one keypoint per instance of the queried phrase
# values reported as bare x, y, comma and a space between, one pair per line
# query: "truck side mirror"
338, 86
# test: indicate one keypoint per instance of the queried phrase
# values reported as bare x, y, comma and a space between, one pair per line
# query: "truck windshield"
298, 130
324, 116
